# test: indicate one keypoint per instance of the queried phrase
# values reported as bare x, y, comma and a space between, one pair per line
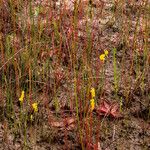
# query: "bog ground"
75, 75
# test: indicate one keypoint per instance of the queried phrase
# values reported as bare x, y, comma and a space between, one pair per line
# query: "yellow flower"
35, 107
92, 103
31, 117
106, 52
102, 57
21, 97
92, 91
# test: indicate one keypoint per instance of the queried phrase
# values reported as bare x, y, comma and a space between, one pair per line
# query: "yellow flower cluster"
92, 101
103, 56
35, 107
106, 52
92, 91
21, 97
